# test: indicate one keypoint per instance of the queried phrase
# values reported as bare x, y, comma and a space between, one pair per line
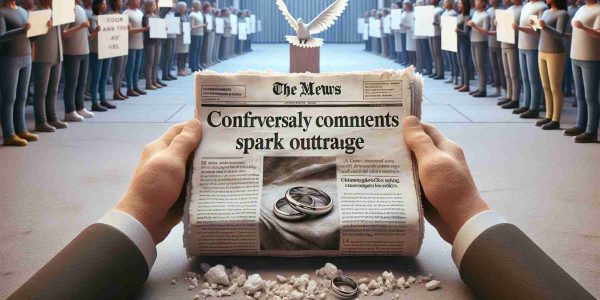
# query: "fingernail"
412, 121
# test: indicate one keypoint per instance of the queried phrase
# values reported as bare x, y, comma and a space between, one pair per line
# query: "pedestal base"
305, 59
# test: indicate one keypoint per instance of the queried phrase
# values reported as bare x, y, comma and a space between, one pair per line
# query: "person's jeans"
551, 73
587, 79
45, 86
196, 52
510, 64
14, 84
530, 76
464, 61
568, 76
404, 51
100, 69
76, 70
132, 71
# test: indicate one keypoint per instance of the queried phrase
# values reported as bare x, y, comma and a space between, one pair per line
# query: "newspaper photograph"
304, 165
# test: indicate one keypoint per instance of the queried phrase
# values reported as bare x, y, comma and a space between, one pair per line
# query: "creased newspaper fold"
328, 143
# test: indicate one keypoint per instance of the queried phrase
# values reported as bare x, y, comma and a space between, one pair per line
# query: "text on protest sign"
113, 38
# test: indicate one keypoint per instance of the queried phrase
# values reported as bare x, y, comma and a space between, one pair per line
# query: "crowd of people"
562, 57
69, 53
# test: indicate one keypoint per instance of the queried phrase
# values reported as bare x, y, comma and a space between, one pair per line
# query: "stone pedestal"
305, 59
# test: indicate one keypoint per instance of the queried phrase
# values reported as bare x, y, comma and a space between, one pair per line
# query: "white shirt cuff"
135, 231
476, 225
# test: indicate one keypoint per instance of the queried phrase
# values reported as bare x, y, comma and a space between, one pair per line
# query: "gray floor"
540, 181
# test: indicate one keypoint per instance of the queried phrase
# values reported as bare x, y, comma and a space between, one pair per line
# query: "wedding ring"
344, 286
278, 209
295, 194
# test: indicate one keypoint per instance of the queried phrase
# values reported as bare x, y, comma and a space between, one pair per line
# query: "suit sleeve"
100, 263
503, 263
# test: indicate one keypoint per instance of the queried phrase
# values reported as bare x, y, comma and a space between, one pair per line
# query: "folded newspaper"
304, 165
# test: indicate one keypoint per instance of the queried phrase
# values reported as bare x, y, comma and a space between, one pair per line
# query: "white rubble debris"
196, 297
281, 279
388, 275
363, 280
237, 272
378, 292
373, 285
364, 289
432, 285
411, 279
173, 282
217, 275
254, 284
329, 271
296, 295
400, 282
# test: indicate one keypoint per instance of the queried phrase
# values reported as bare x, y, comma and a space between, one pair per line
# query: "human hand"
49, 24
159, 178
578, 24
470, 23
84, 25
515, 26
147, 28
542, 23
452, 197
97, 29
27, 26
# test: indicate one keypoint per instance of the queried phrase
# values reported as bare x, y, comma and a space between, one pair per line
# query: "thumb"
186, 141
417, 139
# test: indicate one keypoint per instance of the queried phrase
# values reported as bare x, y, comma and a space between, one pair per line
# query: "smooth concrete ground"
541, 181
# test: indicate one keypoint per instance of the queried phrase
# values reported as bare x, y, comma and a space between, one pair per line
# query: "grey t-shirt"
516, 9
530, 41
464, 31
481, 19
136, 40
583, 45
47, 48
196, 18
492, 41
78, 43
13, 37
94, 41
553, 33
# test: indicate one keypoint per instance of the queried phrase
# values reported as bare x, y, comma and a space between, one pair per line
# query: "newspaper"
325, 149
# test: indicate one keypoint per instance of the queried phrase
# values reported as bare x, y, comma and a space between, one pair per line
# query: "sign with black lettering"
113, 38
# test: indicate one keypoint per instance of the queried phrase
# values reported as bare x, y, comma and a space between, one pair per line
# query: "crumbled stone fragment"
374, 285
390, 285
388, 275
276, 297
363, 288
173, 282
322, 296
311, 288
400, 282
257, 295
281, 279
432, 285
208, 293
380, 280
329, 271
253, 284
217, 275
196, 297
239, 281
237, 272
363, 280
232, 289
377, 292
296, 295
411, 279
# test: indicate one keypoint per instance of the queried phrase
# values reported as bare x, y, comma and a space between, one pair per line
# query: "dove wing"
327, 17
284, 10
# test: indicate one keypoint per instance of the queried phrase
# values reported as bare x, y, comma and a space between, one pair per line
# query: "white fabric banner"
63, 12
375, 28
220, 25
113, 38
504, 31
396, 19
242, 31
39, 22
252, 28
449, 38
365, 31
424, 20
173, 26
360, 25
209, 22
187, 33
158, 28
234, 24
161, 3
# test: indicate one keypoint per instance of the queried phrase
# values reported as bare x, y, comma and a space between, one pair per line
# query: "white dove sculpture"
321, 23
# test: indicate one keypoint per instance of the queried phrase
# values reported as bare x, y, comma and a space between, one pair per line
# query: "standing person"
118, 63
76, 50
391, 37
367, 16
408, 21
208, 34
435, 42
479, 44
99, 67
495, 51
528, 60
152, 49
510, 62
398, 44
463, 32
420, 48
385, 37
452, 56
181, 48
46, 71
168, 48
15, 58
226, 42
218, 38
551, 59
136, 47
375, 44
197, 32
585, 56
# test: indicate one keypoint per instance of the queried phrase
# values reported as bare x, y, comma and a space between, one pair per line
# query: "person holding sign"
494, 50
152, 49
118, 62
136, 47
452, 56
528, 60
168, 46
219, 30
76, 55
198, 25
463, 32
408, 21
208, 34
435, 43
182, 48
99, 67
510, 62
551, 59
585, 56
479, 23
15, 58
227, 37
46, 71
